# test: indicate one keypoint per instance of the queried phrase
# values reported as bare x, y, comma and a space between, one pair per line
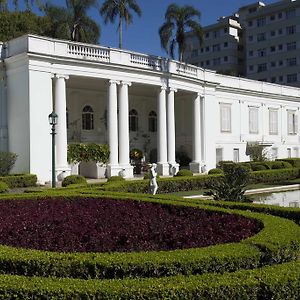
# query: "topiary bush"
184, 172
73, 179
275, 165
7, 161
3, 187
295, 162
115, 178
19, 180
215, 171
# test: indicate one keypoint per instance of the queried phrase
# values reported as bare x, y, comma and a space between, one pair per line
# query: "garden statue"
153, 184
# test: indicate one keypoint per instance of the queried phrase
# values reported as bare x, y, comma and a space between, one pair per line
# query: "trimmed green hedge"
17, 181
295, 162
273, 176
271, 282
268, 246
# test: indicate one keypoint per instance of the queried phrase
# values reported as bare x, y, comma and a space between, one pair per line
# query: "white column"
112, 127
171, 131
124, 130
62, 166
162, 154
195, 165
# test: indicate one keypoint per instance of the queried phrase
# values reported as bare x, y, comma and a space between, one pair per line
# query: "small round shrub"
246, 166
259, 168
184, 173
280, 165
115, 178
215, 171
73, 179
3, 187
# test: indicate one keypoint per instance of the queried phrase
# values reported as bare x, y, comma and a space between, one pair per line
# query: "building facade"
132, 100
268, 40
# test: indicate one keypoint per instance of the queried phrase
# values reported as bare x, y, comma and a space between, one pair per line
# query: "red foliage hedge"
93, 225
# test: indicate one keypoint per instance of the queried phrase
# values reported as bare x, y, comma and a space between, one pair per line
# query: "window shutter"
225, 118
253, 119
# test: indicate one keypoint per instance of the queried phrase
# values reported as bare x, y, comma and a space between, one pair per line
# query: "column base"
126, 171
173, 168
162, 169
62, 172
113, 170
196, 167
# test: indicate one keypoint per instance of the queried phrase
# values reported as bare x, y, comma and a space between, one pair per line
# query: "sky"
142, 35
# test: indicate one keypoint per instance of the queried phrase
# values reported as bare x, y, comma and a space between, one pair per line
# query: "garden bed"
108, 225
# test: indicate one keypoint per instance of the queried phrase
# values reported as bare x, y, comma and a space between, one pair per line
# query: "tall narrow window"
225, 112
219, 155
236, 155
87, 118
253, 120
289, 152
292, 122
133, 120
273, 121
152, 121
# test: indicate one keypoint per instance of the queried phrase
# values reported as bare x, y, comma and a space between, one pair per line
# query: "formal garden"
113, 240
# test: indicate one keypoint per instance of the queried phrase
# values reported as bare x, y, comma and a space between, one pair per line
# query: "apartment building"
270, 43
221, 50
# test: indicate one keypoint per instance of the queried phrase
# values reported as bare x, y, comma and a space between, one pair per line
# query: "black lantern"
53, 122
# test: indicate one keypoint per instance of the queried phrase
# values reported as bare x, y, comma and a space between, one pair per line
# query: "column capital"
58, 76
172, 89
163, 87
199, 94
128, 83
113, 81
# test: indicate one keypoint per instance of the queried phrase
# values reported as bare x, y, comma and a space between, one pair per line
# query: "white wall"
40, 106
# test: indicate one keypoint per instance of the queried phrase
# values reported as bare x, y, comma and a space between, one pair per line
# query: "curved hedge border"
268, 246
271, 282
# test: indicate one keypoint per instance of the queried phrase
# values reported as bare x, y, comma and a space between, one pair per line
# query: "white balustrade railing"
89, 52
186, 69
146, 61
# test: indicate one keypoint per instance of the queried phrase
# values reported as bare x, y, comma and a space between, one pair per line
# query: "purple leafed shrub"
95, 225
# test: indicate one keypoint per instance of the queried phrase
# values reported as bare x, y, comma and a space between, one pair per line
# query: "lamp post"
53, 122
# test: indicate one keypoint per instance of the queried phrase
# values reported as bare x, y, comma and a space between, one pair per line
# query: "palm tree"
173, 32
72, 22
112, 9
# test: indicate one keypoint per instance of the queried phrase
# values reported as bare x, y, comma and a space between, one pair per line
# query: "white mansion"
132, 100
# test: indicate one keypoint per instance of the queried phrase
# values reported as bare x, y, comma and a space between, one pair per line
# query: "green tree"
121, 9
15, 24
72, 22
173, 32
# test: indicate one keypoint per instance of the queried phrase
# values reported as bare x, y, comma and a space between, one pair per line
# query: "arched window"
152, 121
133, 120
87, 118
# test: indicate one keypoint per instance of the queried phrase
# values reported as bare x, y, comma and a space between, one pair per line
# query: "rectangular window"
274, 153
250, 38
225, 58
262, 52
272, 17
291, 78
216, 48
292, 122
207, 62
225, 113
236, 155
291, 46
253, 120
261, 22
272, 33
296, 152
261, 67
216, 34
280, 47
290, 30
216, 61
290, 14
273, 121
289, 152
251, 53
261, 37
219, 155
291, 61
207, 49
273, 64
225, 44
